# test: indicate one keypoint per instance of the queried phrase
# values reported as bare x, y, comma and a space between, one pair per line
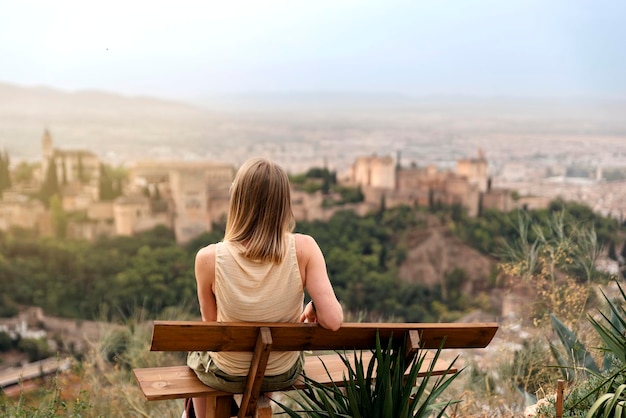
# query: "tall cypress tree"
50, 185
64, 171
110, 185
59, 217
5, 175
105, 185
612, 254
82, 175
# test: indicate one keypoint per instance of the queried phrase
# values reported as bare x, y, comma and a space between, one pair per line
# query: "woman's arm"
326, 310
205, 277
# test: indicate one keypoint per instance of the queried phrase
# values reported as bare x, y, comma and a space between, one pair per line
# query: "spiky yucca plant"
379, 389
608, 391
611, 330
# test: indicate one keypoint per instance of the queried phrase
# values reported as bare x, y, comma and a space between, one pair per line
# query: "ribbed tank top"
251, 291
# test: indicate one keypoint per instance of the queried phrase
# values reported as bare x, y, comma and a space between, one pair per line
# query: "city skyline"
198, 49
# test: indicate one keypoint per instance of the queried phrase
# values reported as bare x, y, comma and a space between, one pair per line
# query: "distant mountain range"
229, 127
18, 100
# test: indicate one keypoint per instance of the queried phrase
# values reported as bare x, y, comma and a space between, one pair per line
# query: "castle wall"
532, 202
100, 211
20, 212
90, 231
499, 199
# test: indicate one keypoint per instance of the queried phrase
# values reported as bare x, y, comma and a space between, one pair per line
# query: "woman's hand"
309, 314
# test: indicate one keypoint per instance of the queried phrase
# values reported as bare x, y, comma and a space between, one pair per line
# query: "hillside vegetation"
404, 263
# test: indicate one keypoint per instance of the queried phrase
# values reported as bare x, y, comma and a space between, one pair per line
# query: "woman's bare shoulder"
304, 241
207, 252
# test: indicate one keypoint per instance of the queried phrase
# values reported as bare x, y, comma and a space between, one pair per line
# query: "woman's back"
250, 291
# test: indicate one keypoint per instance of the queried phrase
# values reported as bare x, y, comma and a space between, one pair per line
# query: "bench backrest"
216, 336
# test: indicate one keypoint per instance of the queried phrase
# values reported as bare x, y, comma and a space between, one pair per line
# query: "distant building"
197, 192
381, 179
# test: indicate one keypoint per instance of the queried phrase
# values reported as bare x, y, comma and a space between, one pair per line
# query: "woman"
258, 273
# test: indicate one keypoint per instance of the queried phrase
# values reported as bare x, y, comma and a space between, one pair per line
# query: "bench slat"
176, 382
215, 336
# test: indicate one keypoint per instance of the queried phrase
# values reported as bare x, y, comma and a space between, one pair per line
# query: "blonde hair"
260, 213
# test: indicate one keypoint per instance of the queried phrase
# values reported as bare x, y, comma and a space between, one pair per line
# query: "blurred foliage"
110, 183
557, 258
102, 384
79, 279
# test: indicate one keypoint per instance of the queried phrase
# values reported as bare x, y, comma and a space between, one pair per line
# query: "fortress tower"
46, 145
374, 171
474, 170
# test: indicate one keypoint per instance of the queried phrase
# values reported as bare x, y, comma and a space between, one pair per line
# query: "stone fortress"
468, 186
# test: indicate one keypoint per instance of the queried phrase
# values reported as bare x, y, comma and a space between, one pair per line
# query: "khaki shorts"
209, 374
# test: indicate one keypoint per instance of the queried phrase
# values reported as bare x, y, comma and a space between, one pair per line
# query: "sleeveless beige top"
251, 291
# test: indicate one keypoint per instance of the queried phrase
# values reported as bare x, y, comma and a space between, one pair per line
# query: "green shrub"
379, 389
6, 343
8, 307
35, 349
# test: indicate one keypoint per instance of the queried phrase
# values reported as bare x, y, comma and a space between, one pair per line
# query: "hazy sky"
190, 48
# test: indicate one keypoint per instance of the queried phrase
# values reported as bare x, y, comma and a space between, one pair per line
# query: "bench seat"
175, 382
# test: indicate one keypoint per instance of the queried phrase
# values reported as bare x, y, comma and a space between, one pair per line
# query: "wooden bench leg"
263, 408
219, 407
559, 398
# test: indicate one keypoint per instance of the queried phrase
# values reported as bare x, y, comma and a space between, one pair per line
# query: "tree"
50, 185
612, 254
110, 183
59, 217
431, 199
35, 349
383, 206
81, 169
24, 172
6, 343
5, 175
105, 185
64, 171
8, 308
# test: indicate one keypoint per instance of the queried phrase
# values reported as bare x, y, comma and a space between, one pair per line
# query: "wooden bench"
176, 382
